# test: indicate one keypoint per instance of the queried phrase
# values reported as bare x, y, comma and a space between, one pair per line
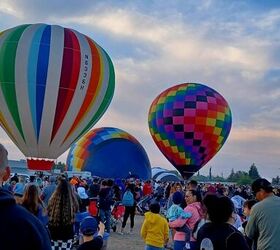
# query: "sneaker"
131, 231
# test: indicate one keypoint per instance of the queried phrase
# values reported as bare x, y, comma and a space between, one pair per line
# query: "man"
264, 220
19, 229
192, 185
48, 190
105, 203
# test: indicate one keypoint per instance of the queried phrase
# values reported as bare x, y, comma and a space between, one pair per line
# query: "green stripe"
7, 73
106, 101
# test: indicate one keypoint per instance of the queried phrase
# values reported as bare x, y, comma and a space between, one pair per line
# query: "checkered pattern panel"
61, 245
189, 123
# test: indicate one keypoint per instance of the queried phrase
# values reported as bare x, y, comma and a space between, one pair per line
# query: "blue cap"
88, 226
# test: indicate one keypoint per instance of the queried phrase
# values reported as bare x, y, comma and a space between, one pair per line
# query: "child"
154, 229
88, 228
247, 206
176, 212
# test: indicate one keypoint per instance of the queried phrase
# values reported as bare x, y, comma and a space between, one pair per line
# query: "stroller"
116, 215
143, 205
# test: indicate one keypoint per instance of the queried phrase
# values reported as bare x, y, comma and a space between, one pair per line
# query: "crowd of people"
57, 212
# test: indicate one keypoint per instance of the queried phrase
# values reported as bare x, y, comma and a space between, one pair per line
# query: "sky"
231, 46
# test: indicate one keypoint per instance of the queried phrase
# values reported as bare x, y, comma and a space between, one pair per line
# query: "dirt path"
127, 241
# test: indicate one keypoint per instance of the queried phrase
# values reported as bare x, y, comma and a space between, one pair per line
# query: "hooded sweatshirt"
19, 229
154, 230
197, 213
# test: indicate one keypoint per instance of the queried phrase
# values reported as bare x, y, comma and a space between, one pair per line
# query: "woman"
62, 208
128, 201
32, 202
194, 206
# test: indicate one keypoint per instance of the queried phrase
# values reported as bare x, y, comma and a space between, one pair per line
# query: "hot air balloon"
55, 84
109, 153
189, 123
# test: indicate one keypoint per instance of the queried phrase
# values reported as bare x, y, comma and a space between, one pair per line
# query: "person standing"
264, 220
105, 203
19, 229
62, 209
154, 229
48, 190
128, 201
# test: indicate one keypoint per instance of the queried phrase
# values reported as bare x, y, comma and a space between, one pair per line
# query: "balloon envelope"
109, 153
189, 123
55, 84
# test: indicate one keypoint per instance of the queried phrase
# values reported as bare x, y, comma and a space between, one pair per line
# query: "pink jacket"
197, 213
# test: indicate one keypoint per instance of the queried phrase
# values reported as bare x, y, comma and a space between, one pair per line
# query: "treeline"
239, 177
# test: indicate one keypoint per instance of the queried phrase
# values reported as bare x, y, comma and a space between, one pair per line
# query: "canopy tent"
161, 174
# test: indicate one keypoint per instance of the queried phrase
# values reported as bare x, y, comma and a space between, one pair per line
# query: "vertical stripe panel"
7, 73
41, 76
69, 77
51, 92
31, 71
79, 94
25, 80
92, 91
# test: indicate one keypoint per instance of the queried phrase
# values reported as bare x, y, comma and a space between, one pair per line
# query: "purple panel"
167, 112
179, 135
190, 98
189, 142
178, 105
168, 128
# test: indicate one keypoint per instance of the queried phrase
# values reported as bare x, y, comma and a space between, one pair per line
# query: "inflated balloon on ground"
109, 153
55, 84
189, 123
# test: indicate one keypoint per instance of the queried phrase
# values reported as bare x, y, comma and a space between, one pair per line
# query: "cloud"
233, 49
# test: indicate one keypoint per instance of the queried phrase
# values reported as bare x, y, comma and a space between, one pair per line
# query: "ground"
127, 241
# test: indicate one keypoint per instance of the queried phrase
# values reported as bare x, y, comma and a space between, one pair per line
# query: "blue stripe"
42, 72
32, 68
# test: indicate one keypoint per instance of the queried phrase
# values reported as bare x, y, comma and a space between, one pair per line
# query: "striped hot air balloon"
109, 153
55, 84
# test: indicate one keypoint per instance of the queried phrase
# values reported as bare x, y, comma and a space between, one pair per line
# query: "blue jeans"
105, 217
179, 245
149, 247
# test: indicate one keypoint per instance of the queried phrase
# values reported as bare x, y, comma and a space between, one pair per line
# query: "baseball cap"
88, 226
261, 183
82, 193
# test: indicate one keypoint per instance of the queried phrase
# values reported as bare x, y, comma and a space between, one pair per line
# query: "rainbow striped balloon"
55, 84
189, 123
109, 153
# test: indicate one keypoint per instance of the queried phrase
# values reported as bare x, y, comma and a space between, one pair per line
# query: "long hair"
62, 205
31, 200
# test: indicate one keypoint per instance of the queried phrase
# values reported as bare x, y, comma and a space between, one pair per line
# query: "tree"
244, 180
253, 172
276, 180
61, 166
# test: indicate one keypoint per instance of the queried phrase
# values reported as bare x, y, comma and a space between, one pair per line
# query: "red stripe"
92, 88
69, 77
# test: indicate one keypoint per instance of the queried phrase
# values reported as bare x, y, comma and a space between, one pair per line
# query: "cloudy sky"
231, 46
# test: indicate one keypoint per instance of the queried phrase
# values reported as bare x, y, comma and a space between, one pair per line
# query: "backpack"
128, 199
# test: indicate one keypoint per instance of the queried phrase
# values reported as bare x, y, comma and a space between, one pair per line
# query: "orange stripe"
94, 85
